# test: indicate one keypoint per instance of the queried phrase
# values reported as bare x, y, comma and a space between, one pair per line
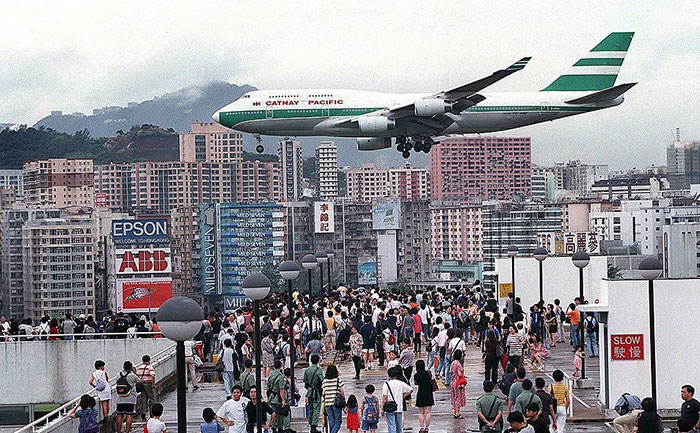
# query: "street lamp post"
651, 269
581, 260
256, 287
322, 259
512, 252
540, 254
289, 271
331, 256
180, 319
309, 263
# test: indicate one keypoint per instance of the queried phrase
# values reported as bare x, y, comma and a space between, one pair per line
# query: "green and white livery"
415, 121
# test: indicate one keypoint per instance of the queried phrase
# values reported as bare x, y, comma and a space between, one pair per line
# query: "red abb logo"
144, 261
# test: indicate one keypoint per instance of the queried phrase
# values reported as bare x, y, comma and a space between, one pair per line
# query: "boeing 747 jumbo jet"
417, 121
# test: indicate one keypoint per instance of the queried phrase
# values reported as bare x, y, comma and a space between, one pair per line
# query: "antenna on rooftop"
678, 134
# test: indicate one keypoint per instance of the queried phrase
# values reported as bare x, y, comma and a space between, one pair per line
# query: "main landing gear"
259, 148
419, 144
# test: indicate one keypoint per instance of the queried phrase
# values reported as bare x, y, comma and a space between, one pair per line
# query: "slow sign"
627, 347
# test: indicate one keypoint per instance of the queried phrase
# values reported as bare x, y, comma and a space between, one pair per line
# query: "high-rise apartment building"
163, 186
185, 252
12, 267
370, 182
7, 198
456, 232
59, 182
258, 182
58, 259
211, 142
414, 247
13, 179
683, 161
327, 170
292, 165
481, 168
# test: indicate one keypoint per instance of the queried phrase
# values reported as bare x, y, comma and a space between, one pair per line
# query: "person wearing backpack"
369, 408
126, 396
87, 413
100, 381
591, 326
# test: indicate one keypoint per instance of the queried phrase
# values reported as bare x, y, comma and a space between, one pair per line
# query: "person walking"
424, 397
251, 413
574, 317
268, 353
126, 396
147, 396
313, 382
332, 386
189, 362
489, 410
228, 373
356, 351
276, 387
458, 397
561, 394
247, 378
649, 420
100, 381
550, 319
394, 392
590, 324
87, 413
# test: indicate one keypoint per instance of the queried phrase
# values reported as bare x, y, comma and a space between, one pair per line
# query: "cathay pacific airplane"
417, 121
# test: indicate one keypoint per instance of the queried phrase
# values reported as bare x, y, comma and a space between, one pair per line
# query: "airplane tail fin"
598, 69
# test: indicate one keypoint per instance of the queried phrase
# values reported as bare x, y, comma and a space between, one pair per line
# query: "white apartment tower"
292, 164
327, 170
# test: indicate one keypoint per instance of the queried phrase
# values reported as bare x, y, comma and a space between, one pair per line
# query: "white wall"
59, 371
677, 338
560, 279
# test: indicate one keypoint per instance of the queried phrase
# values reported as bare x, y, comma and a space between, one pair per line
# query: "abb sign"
627, 347
143, 261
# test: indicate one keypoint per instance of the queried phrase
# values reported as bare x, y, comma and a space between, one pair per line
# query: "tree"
614, 273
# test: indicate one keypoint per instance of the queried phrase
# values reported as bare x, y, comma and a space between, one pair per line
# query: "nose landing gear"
259, 148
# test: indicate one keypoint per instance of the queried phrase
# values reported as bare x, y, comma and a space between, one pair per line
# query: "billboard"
324, 217
140, 232
366, 271
386, 216
567, 243
143, 261
136, 295
211, 284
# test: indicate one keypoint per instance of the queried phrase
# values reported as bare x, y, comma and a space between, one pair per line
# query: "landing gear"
259, 148
406, 154
418, 143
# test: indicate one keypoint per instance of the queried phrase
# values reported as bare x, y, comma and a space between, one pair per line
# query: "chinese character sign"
324, 217
627, 347
568, 243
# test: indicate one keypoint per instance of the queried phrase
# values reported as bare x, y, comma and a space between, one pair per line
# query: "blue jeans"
430, 361
592, 344
448, 369
228, 382
335, 418
575, 336
393, 422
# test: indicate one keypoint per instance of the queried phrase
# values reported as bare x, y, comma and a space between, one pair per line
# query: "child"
353, 423
536, 354
370, 410
154, 424
209, 425
393, 359
578, 361
85, 410
100, 381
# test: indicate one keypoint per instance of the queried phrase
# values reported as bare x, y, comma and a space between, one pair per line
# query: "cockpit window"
246, 96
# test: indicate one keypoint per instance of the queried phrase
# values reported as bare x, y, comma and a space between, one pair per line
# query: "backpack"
123, 385
88, 422
591, 325
370, 409
391, 340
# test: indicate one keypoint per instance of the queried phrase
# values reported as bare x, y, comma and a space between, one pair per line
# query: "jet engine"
375, 123
373, 143
431, 107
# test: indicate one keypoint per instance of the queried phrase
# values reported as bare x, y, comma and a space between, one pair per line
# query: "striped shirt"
331, 387
560, 392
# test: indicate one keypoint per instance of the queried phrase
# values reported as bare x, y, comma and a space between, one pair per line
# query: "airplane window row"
320, 96
284, 96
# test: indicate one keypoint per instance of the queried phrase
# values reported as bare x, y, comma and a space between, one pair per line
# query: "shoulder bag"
339, 401
390, 405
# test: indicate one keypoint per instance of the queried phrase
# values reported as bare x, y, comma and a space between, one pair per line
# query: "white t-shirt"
234, 411
398, 389
155, 426
228, 359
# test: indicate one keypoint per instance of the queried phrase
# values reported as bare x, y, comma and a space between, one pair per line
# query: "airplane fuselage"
316, 112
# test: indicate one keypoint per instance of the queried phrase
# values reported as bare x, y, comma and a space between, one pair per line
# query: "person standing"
147, 376
514, 347
406, 358
458, 397
276, 386
491, 356
228, 373
424, 398
233, 412
126, 396
548, 414
100, 381
590, 324
561, 394
251, 412
489, 410
559, 314
574, 319
69, 327
313, 382
356, 351
268, 353
526, 397
649, 421
189, 362
395, 391
369, 341
516, 388
332, 386
690, 411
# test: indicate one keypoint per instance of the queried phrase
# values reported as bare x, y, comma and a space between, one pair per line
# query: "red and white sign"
324, 217
100, 199
143, 261
137, 295
627, 347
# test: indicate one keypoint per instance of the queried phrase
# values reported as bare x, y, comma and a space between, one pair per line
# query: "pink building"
481, 168
370, 182
211, 142
59, 182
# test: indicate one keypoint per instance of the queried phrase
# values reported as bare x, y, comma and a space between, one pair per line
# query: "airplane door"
325, 112
268, 113
544, 107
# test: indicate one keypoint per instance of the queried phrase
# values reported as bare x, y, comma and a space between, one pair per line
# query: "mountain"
173, 110
143, 143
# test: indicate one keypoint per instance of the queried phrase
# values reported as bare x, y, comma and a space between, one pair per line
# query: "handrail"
82, 336
60, 414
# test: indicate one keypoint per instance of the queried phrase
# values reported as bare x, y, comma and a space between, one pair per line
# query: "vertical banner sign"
324, 217
627, 347
211, 283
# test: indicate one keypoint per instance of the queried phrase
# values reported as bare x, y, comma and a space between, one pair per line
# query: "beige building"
370, 182
58, 258
456, 232
59, 182
327, 170
184, 248
211, 142
7, 198
292, 166
258, 182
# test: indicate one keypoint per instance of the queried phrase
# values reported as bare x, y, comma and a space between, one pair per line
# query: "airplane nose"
215, 116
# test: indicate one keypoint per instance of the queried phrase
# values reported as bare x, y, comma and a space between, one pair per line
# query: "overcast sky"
80, 55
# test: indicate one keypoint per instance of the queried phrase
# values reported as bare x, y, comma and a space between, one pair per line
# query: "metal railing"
59, 416
20, 338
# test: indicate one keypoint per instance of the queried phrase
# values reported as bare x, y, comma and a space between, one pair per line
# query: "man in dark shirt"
251, 409
369, 340
548, 412
532, 413
690, 411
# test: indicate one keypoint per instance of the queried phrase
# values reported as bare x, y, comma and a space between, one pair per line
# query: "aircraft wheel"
401, 139
259, 148
406, 154
426, 147
408, 146
418, 146
401, 147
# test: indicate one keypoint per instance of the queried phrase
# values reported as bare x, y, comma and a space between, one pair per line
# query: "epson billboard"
148, 231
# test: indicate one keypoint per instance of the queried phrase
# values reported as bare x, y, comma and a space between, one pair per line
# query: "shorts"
125, 409
369, 425
367, 350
